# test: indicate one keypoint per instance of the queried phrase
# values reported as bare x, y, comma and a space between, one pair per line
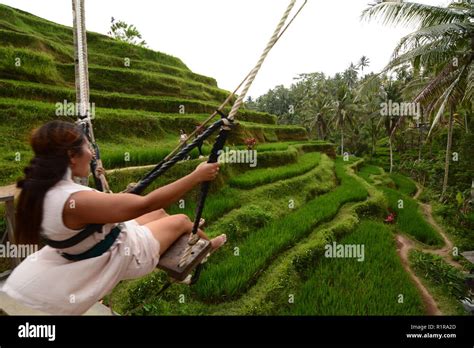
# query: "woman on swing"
52, 205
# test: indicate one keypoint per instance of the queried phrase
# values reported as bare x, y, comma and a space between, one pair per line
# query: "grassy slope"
345, 286
287, 273
157, 96
398, 190
229, 277
144, 110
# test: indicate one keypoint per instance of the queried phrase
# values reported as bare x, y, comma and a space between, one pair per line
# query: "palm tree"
363, 63
390, 92
350, 76
370, 97
441, 52
343, 110
322, 106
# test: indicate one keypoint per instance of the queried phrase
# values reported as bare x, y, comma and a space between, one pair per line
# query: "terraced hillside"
142, 97
279, 217
274, 262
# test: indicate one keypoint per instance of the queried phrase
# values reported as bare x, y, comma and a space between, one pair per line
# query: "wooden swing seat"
170, 259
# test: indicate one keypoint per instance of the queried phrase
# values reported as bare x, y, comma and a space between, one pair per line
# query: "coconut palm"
350, 76
363, 63
322, 106
343, 109
441, 52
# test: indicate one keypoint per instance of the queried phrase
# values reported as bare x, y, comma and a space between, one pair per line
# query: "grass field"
409, 218
345, 286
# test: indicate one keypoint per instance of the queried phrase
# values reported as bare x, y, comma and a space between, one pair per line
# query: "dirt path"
404, 245
446, 251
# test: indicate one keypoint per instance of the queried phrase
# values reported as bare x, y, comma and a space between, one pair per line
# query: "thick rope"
164, 166
220, 141
82, 88
255, 70
213, 157
221, 107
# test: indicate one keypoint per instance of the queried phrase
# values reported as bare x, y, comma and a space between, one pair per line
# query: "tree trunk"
390, 145
465, 123
342, 143
391, 153
419, 144
318, 126
373, 136
448, 153
472, 190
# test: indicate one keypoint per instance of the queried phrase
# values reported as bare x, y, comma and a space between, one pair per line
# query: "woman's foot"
219, 241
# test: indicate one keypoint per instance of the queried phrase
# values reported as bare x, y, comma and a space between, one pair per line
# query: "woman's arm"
93, 207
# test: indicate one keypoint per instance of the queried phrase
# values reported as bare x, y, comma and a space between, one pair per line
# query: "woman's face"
80, 164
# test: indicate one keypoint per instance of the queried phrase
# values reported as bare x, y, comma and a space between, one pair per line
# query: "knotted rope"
224, 131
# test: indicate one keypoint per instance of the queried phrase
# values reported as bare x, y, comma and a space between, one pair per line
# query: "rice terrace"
345, 192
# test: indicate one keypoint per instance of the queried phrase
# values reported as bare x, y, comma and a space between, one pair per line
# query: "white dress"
50, 283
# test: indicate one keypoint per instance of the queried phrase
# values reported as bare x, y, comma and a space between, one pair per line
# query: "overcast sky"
224, 38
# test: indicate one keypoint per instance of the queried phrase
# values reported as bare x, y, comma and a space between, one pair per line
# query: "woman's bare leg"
168, 229
152, 216
156, 215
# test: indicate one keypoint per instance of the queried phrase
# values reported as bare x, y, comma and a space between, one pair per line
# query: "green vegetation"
137, 121
234, 274
404, 185
367, 171
256, 177
397, 189
410, 219
342, 286
280, 215
446, 282
117, 100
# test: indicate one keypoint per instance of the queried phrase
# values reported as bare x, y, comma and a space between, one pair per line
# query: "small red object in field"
250, 142
390, 218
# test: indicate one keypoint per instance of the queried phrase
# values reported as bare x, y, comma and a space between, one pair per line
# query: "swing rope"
254, 72
82, 93
225, 124
171, 156
224, 133
220, 109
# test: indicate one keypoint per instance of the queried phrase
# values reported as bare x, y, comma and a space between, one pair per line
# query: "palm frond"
413, 14
441, 81
469, 95
426, 35
433, 53
414, 87
445, 99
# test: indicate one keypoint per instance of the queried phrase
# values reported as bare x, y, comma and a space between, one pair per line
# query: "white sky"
224, 38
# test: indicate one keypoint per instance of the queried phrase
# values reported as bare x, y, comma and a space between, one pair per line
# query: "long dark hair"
52, 143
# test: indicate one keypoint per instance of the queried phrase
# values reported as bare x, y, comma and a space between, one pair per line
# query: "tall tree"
343, 110
364, 62
441, 50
